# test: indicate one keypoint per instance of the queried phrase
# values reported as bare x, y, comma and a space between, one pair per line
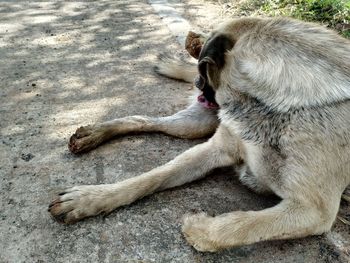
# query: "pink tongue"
205, 103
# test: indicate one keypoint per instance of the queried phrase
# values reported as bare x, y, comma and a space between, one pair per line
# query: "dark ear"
202, 69
202, 66
214, 50
212, 59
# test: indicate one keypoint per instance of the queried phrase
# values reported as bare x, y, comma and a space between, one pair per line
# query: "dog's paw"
196, 229
79, 202
85, 139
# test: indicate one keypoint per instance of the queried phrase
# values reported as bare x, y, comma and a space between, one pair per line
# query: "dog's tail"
176, 68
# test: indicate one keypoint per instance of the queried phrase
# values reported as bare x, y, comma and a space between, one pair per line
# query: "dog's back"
288, 63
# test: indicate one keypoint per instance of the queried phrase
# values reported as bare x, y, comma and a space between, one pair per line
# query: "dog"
275, 96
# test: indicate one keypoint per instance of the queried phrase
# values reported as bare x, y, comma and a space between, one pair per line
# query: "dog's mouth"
205, 103
202, 99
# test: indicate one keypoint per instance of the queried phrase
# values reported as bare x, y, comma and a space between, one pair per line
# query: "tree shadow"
65, 64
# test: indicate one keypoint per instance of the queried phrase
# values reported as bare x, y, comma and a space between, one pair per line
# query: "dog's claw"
58, 212
85, 139
54, 205
54, 202
72, 145
77, 203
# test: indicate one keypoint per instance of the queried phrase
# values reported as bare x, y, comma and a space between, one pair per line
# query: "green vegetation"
333, 13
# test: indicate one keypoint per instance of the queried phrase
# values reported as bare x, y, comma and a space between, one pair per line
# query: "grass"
333, 13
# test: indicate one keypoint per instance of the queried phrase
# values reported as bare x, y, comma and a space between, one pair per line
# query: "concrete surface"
67, 63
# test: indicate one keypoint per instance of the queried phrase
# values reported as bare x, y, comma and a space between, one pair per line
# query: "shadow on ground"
65, 64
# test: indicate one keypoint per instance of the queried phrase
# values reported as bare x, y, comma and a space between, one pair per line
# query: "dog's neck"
262, 124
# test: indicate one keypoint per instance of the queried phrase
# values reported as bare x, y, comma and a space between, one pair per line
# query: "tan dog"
282, 89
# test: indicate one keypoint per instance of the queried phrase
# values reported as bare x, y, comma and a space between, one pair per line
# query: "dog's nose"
198, 82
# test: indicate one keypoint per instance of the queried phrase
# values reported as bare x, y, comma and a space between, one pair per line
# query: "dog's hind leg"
221, 150
301, 213
289, 219
191, 123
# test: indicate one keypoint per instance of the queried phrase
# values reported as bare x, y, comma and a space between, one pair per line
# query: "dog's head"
211, 61
275, 61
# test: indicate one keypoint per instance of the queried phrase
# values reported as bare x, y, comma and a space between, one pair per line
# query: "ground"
65, 64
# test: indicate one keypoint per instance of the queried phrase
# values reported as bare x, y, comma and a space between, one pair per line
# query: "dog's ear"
203, 63
212, 57
215, 48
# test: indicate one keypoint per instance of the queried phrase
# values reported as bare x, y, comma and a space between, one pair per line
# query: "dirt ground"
65, 64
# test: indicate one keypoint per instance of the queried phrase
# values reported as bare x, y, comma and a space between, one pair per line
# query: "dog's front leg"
193, 122
222, 149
